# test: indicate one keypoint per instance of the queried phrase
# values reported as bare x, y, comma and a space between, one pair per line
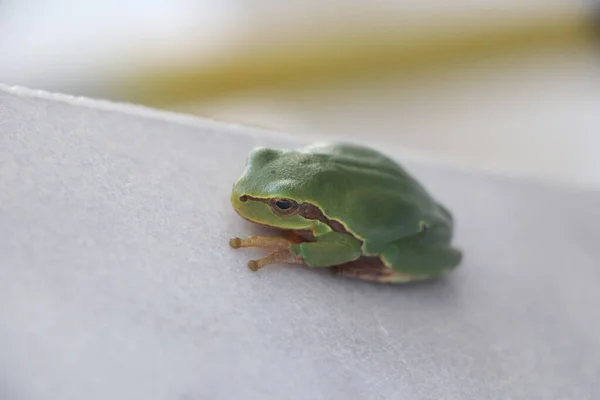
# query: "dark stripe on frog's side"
312, 212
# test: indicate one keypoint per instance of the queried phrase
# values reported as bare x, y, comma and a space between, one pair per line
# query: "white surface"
116, 279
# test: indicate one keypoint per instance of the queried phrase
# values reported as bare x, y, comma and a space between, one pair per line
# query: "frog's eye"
284, 207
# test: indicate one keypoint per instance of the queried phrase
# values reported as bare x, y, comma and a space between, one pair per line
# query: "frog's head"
270, 190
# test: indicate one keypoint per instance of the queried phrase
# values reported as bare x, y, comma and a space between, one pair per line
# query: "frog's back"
354, 155
374, 197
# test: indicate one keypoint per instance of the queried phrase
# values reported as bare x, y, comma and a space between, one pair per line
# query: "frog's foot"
279, 247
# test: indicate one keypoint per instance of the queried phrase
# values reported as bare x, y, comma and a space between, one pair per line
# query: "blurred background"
506, 85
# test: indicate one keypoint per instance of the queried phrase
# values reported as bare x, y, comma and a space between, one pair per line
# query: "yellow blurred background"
507, 85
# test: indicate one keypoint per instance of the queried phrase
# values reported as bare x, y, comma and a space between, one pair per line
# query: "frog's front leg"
327, 250
332, 248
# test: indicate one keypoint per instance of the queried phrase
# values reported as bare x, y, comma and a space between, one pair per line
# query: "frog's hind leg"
424, 255
423, 261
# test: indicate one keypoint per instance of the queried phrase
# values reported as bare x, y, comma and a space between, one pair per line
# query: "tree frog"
345, 207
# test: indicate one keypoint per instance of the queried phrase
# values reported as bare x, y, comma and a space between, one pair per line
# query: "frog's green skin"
367, 208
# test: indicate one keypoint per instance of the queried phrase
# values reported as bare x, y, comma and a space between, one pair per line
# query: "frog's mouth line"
301, 235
